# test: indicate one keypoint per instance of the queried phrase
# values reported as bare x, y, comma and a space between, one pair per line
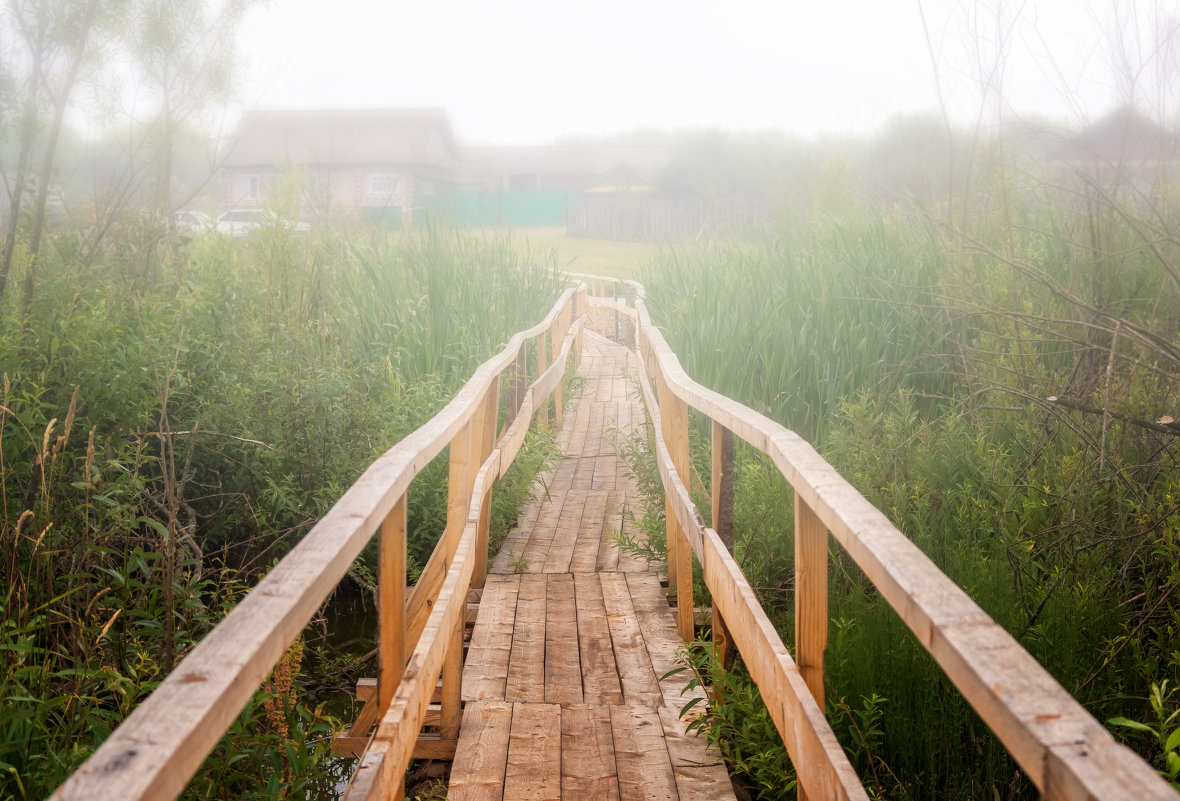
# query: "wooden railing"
156, 751
1064, 751
160, 746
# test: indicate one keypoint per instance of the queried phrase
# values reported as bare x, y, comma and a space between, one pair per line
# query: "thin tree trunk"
24, 158
59, 113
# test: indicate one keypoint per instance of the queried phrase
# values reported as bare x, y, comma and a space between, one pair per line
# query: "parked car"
242, 223
191, 223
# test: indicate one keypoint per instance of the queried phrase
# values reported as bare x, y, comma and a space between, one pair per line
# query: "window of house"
248, 187
383, 184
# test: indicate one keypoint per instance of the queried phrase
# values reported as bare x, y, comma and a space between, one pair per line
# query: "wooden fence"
650, 219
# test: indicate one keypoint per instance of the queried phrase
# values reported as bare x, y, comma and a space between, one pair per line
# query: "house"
535, 185
378, 163
1124, 146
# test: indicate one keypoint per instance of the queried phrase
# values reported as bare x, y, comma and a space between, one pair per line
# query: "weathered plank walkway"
562, 682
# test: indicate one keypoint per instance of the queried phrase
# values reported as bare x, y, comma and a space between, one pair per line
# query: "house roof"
343, 137
1124, 135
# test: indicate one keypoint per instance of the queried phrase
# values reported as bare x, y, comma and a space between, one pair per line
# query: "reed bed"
928, 361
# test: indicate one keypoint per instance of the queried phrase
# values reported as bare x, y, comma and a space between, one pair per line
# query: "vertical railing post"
811, 600
462, 471
458, 489
487, 440
556, 338
674, 422
722, 492
614, 292
517, 382
542, 363
584, 307
391, 611
451, 712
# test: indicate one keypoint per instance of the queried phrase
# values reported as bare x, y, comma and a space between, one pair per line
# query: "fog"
529, 71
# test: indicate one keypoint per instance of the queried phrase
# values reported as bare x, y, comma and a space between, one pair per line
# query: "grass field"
576, 254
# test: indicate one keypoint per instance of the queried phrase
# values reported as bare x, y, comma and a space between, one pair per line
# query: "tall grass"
919, 358
224, 395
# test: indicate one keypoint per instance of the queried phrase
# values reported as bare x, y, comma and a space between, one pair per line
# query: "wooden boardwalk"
562, 683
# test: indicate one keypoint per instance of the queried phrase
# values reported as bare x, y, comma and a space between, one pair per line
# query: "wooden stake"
722, 491
391, 612
674, 416
811, 601
487, 440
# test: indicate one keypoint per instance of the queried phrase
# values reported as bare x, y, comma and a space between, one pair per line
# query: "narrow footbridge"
563, 685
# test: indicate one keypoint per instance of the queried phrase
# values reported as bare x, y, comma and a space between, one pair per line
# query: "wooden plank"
563, 670
600, 677
536, 552
612, 520
433, 747
534, 753
526, 666
589, 536
481, 757
638, 678
565, 537
661, 639
700, 772
644, 768
811, 598
485, 673
588, 771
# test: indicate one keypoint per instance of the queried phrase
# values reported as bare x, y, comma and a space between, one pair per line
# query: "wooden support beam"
674, 417
487, 440
391, 610
556, 338
452, 683
722, 492
542, 363
811, 604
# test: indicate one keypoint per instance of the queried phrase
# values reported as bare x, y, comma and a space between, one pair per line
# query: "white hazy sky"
527, 71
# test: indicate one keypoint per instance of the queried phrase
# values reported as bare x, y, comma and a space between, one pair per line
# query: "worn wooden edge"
162, 743
1033, 716
821, 764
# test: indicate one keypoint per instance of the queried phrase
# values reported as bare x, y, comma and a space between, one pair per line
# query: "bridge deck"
562, 682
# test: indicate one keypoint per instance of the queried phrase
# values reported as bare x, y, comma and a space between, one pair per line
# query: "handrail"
154, 753
1064, 751
161, 744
